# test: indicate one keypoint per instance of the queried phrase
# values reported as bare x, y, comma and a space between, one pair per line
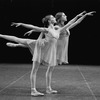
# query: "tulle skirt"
46, 53
31, 45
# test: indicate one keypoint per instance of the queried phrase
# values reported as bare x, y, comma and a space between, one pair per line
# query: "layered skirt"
45, 53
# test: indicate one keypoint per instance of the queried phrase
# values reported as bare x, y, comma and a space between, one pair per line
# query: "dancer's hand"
29, 32
16, 24
91, 13
81, 14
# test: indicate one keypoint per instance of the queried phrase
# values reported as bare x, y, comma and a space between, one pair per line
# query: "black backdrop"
84, 42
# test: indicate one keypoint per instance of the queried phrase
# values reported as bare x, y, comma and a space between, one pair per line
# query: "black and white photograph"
49, 50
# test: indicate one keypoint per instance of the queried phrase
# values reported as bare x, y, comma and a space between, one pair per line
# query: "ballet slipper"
11, 44
49, 91
36, 93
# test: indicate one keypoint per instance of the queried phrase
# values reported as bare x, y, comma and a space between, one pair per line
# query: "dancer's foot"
11, 44
49, 91
1, 35
66, 62
36, 93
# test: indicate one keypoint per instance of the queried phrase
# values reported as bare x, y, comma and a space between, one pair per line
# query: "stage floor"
73, 82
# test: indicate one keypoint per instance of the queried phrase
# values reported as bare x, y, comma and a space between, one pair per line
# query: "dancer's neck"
61, 23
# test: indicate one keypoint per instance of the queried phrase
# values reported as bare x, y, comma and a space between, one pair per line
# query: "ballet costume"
62, 47
46, 54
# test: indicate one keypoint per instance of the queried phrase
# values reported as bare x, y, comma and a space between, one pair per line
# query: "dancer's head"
49, 19
60, 16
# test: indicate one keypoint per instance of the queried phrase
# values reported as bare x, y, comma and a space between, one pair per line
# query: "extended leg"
16, 39
35, 67
48, 80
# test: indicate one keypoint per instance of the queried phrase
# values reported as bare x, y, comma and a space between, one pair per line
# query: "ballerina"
47, 53
39, 53
62, 44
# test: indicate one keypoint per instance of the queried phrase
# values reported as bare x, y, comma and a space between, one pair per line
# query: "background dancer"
62, 51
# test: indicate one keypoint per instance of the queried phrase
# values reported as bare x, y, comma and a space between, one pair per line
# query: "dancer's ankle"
48, 88
33, 89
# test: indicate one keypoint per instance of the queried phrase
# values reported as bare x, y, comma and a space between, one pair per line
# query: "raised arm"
35, 28
80, 19
72, 21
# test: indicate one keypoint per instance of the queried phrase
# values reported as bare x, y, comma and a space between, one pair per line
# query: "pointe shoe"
49, 91
1, 35
36, 93
11, 44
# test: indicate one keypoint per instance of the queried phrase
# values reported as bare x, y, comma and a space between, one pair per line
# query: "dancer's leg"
35, 67
16, 39
48, 80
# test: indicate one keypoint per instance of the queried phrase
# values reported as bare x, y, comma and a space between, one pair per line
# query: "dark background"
84, 42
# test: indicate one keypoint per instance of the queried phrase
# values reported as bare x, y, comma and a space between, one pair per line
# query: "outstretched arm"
80, 19
72, 21
35, 28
